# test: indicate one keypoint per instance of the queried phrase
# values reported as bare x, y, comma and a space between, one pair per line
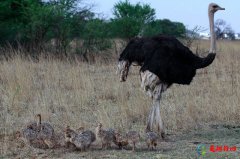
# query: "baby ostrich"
120, 141
89, 133
29, 132
151, 139
105, 136
31, 135
80, 130
67, 136
57, 140
133, 137
81, 140
164, 60
45, 132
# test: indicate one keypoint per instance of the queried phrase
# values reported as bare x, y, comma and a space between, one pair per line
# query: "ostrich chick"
30, 134
67, 136
133, 137
81, 141
105, 136
45, 132
120, 141
88, 133
151, 140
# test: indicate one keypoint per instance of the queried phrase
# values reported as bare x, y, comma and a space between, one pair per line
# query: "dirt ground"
182, 145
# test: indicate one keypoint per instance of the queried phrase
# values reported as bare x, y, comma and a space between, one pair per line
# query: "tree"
229, 32
223, 31
13, 20
95, 37
31, 23
129, 20
219, 27
166, 27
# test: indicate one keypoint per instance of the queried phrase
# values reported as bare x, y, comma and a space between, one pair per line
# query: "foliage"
34, 22
12, 20
95, 37
129, 20
166, 27
51, 26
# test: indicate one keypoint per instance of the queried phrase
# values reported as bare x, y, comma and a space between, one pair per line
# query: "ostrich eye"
215, 6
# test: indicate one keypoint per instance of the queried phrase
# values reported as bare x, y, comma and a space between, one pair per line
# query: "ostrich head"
213, 7
123, 68
80, 129
118, 136
99, 125
69, 134
18, 134
38, 116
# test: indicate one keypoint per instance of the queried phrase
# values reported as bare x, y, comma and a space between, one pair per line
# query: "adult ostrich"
164, 61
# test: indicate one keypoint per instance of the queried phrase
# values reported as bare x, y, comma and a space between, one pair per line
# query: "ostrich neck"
212, 33
39, 120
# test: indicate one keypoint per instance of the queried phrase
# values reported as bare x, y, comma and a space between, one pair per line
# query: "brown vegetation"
80, 94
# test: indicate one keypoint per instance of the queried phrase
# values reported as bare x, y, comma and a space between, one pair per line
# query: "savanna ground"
79, 94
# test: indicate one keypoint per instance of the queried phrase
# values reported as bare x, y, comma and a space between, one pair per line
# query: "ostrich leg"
154, 88
154, 114
158, 118
157, 94
148, 82
151, 118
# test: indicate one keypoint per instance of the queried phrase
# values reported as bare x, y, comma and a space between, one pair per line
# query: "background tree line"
53, 26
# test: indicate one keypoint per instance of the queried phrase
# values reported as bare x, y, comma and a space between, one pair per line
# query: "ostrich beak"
220, 8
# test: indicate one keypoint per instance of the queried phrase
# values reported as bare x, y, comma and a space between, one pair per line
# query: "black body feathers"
166, 57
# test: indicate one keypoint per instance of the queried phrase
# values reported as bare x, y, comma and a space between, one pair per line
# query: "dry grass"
81, 95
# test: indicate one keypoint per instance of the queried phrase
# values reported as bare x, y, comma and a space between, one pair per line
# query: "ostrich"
80, 138
106, 136
38, 134
133, 138
151, 139
45, 129
164, 61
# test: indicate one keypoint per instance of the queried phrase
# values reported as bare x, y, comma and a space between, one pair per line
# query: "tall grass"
82, 94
